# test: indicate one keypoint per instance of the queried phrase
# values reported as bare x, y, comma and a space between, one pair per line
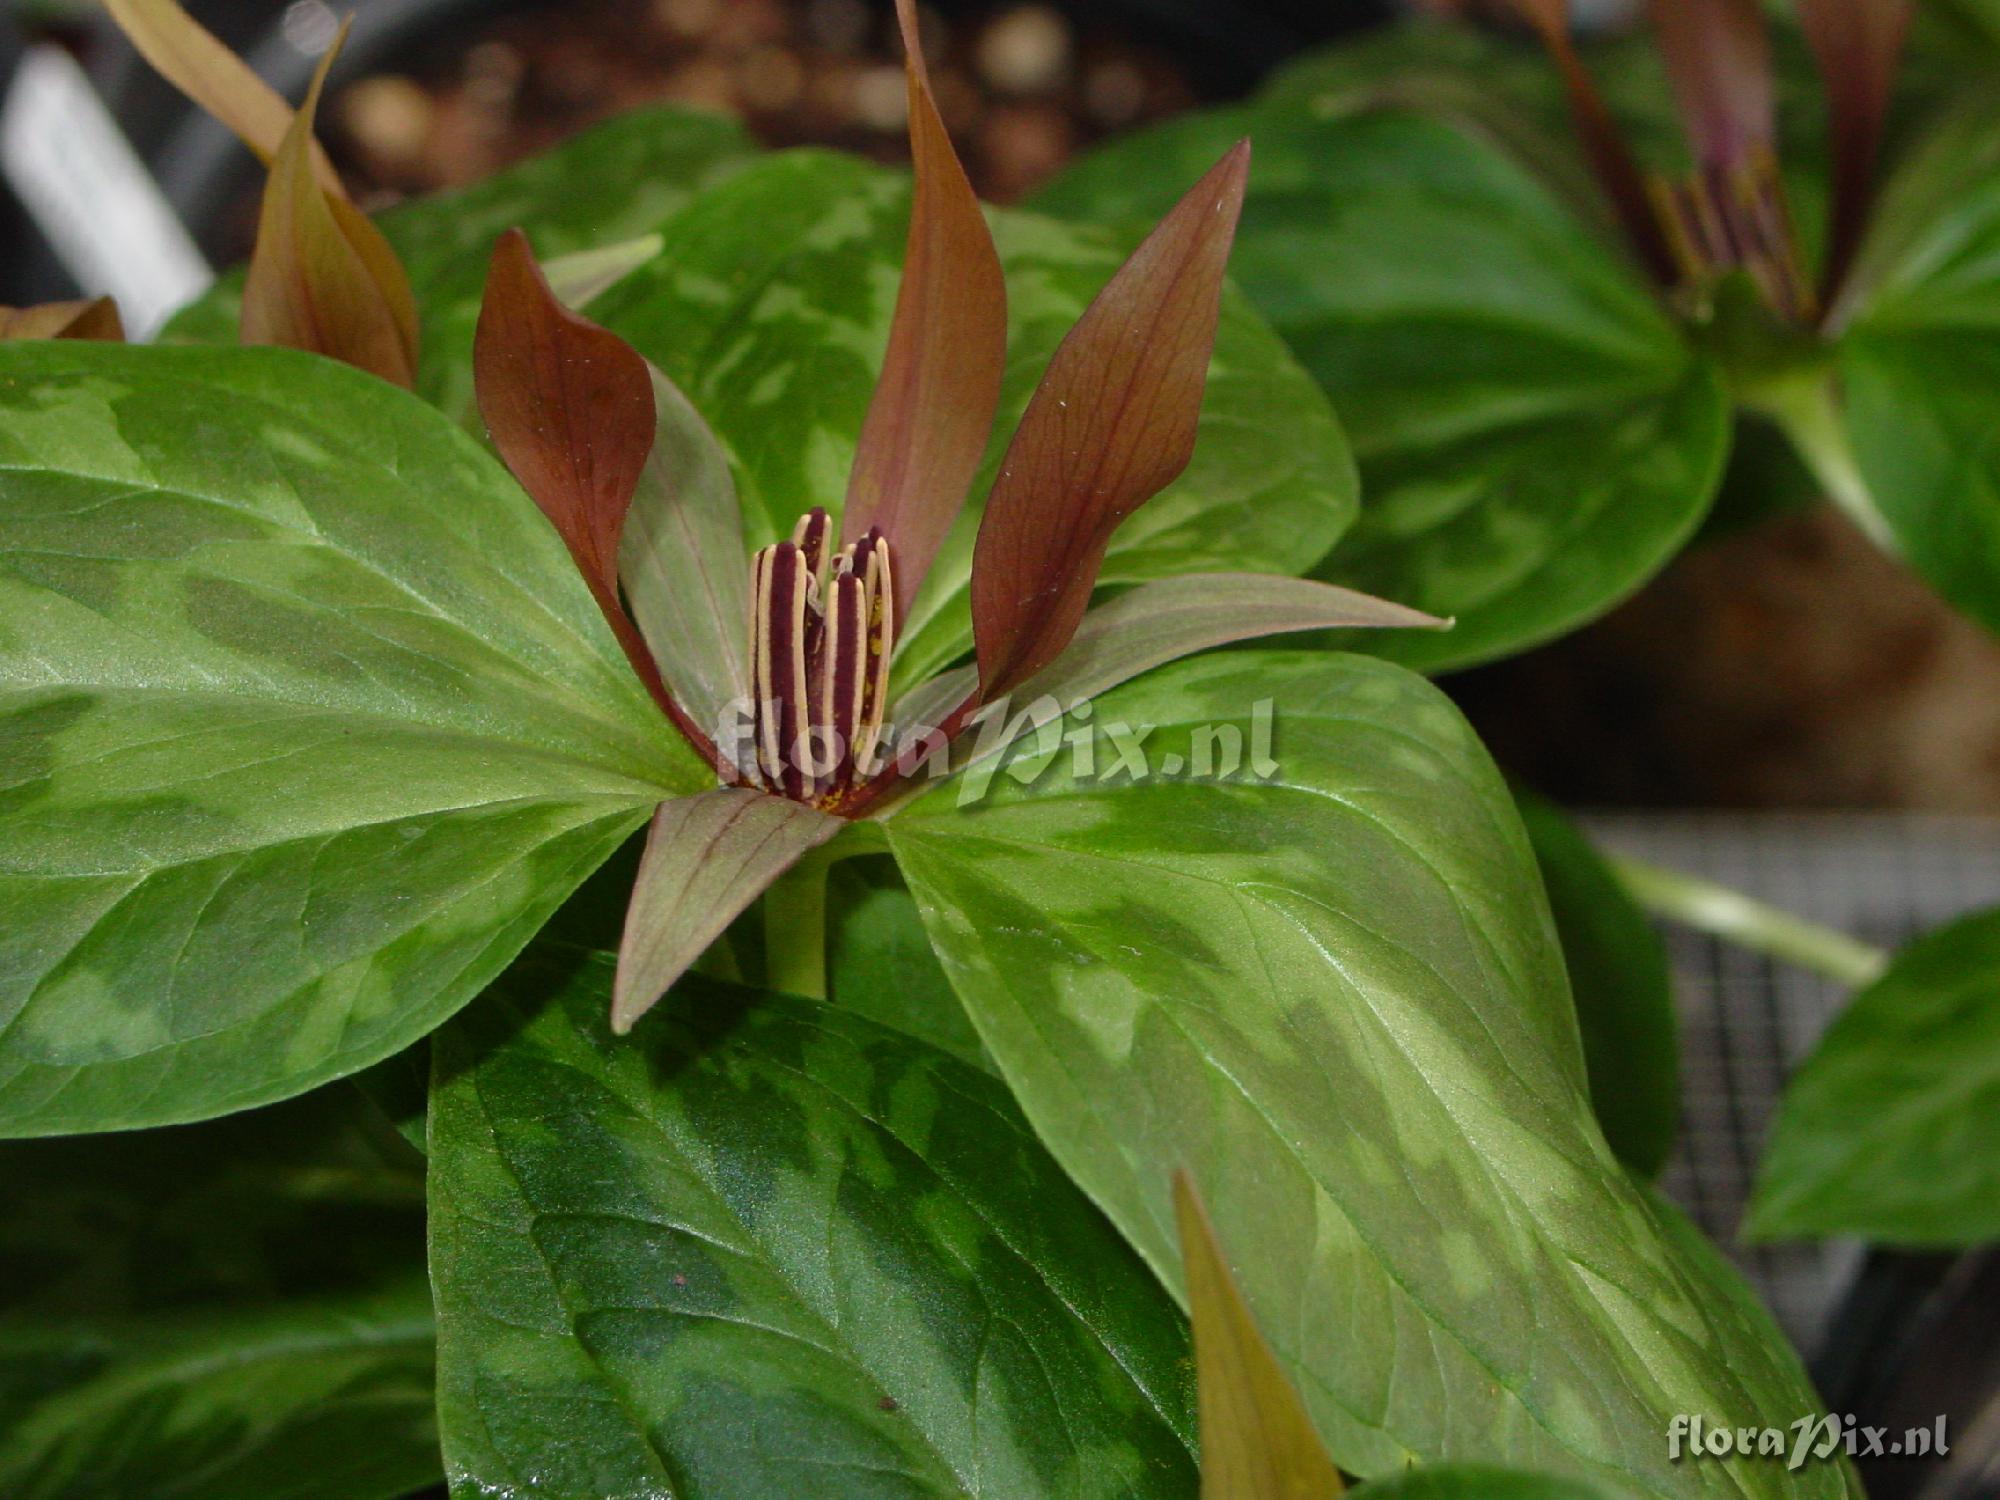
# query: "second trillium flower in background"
1730, 215
792, 711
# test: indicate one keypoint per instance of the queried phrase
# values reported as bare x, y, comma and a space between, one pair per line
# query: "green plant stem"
1748, 923
795, 930
1802, 404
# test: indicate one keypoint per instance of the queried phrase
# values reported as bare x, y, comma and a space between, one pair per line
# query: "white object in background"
90, 194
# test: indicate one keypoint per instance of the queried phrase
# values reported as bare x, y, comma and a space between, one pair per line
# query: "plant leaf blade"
1623, 988
239, 1305
683, 565
1917, 1166
1534, 435
771, 303
308, 724
1331, 990
771, 1245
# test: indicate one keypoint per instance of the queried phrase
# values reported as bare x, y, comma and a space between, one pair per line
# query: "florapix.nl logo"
1023, 744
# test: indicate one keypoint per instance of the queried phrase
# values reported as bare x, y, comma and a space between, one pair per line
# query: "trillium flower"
1731, 215
322, 278
776, 668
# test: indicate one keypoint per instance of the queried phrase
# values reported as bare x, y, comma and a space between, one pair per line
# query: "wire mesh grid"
1747, 1021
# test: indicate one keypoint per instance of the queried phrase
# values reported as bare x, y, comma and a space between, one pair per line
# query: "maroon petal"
1858, 44
570, 408
1718, 59
932, 411
1603, 142
1111, 425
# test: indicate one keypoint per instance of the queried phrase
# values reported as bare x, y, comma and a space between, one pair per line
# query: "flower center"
822, 628
1725, 218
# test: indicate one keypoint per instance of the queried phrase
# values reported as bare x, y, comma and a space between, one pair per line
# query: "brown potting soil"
1020, 85
1792, 665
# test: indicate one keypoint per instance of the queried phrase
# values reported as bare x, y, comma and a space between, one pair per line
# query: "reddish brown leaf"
94, 318
932, 411
570, 408
1110, 426
1603, 142
1858, 44
321, 277
1718, 59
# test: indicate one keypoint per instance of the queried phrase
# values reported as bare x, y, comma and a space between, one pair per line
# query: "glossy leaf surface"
1335, 996
1925, 298
771, 308
1111, 424
1891, 1129
228, 1311
1535, 438
880, 964
811, 1256
308, 724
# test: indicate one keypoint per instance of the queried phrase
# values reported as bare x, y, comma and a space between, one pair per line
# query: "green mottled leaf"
306, 724
626, 178
1891, 1130
1535, 437
770, 307
1336, 998
1475, 1482
880, 964
765, 1247
1624, 991
231, 1311
1927, 301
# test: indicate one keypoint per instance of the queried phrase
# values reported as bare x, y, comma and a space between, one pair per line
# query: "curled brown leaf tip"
932, 411
569, 406
90, 318
321, 276
1111, 425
